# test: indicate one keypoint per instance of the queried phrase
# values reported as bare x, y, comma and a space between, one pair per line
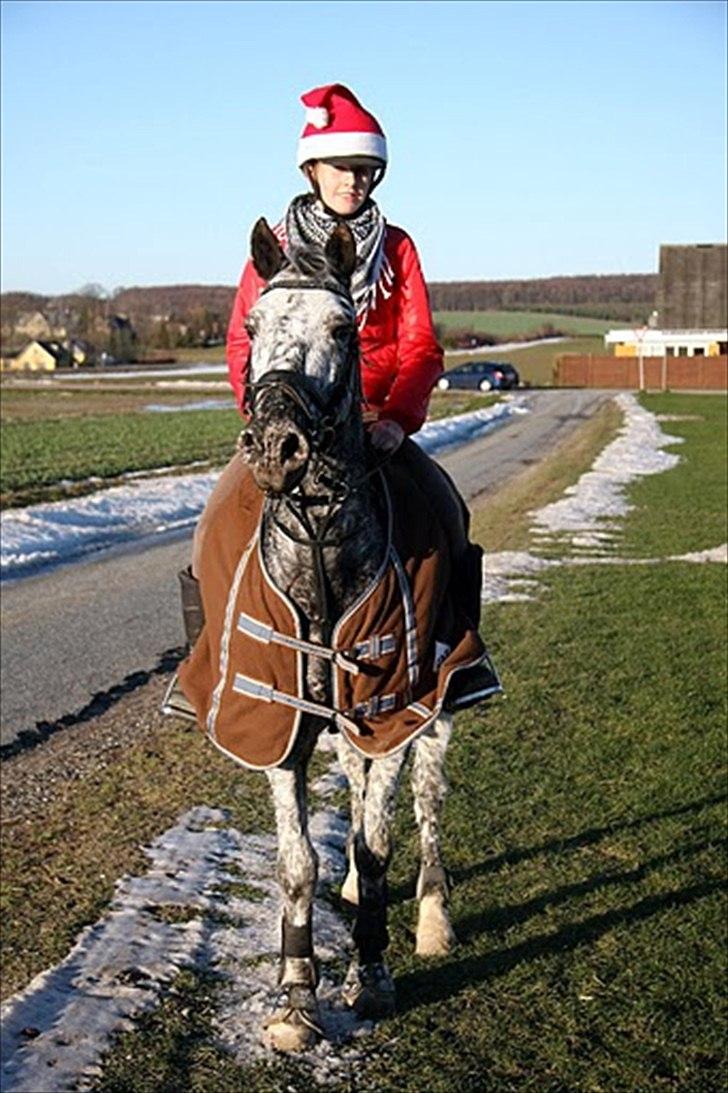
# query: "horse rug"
393, 653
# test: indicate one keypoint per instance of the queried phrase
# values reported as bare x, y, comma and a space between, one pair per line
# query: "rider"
343, 155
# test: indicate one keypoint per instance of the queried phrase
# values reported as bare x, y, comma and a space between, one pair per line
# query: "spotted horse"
327, 594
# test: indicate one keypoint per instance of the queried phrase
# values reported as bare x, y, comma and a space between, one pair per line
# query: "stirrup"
176, 704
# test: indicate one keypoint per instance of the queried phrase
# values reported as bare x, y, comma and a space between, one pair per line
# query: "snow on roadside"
586, 520
55, 1031
589, 512
60, 531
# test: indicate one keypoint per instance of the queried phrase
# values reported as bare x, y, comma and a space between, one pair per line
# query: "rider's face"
344, 184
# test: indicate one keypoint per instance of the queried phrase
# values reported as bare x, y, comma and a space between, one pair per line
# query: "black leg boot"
175, 704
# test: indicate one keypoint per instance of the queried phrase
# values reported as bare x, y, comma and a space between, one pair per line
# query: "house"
648, 342
41, 356
83, 353
34, 325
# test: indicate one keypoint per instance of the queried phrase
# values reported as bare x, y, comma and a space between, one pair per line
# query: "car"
480, 376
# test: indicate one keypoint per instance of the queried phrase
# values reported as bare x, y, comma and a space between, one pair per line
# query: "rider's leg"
466, 578
443, 496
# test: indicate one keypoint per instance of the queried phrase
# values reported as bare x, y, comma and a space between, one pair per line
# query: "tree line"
167, 317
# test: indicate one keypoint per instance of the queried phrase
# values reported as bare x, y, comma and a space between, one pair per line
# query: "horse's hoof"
369, 990
295, 1026
350, 888
435, 936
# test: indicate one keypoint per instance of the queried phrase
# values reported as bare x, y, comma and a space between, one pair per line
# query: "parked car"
480, 376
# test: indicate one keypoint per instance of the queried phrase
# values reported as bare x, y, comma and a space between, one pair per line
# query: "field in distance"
505, 324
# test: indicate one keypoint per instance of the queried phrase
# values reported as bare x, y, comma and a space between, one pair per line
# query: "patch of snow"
61, 531
586, 520
141, 373
449, 432
490, 352
45, 534
591, 509
679, 417
714, 554
55, 1032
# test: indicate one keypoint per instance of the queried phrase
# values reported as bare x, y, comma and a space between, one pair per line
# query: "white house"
648, 342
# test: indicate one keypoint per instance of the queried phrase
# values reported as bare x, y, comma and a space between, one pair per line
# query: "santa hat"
338, 126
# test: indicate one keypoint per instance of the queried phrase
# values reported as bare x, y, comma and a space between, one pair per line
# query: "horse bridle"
323, 415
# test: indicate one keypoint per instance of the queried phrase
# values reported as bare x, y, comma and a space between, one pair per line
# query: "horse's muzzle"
277, 454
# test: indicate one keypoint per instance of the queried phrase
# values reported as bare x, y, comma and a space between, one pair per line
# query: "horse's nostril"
289, 447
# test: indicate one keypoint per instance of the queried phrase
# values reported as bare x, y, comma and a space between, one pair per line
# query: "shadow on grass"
436, 984
406, 889
500, 918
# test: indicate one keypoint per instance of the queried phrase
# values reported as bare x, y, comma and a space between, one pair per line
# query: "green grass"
684, 509
42, 457
88, 400
585, 829
37, 454
505, 323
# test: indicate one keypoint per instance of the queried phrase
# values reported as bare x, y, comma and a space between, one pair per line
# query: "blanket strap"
375, 647
264, 692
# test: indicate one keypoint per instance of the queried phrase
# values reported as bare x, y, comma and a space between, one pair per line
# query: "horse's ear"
266, 251
341, 253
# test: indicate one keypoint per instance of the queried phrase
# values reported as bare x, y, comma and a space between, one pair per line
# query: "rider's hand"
386, 436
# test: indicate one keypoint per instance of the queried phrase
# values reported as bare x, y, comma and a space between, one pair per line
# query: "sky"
141, 140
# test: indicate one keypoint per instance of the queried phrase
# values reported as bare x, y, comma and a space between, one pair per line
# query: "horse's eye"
249, 328
341, 333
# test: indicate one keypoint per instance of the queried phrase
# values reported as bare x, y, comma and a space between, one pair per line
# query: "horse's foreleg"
368, 986
435, 936
294, 1026
355, 769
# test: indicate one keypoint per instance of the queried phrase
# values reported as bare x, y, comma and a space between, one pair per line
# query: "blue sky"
140, 140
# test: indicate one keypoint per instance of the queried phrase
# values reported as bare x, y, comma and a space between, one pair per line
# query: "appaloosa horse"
323, 550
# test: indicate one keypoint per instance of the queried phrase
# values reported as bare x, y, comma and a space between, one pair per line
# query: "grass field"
48, 457
506, 323
38, 455
585, 830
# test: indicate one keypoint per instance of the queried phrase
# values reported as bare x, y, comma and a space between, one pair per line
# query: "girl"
343, 154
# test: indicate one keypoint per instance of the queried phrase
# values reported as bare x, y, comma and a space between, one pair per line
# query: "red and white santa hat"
338, 126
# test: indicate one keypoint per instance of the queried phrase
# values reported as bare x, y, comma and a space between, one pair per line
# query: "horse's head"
303, 378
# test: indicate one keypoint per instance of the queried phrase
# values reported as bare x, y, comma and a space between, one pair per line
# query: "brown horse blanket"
393, 653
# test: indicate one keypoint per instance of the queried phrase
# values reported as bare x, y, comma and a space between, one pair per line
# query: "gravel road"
81, 636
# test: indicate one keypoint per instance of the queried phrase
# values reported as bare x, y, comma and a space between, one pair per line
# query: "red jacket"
401, 359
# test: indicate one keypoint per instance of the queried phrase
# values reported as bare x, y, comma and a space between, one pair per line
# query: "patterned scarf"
308, 223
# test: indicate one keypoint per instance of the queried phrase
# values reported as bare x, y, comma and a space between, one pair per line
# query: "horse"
321, 542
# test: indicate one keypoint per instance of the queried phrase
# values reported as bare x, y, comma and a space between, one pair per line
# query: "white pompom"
317, 116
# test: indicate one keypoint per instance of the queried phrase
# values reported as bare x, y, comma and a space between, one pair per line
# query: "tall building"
692, 291
691, 316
